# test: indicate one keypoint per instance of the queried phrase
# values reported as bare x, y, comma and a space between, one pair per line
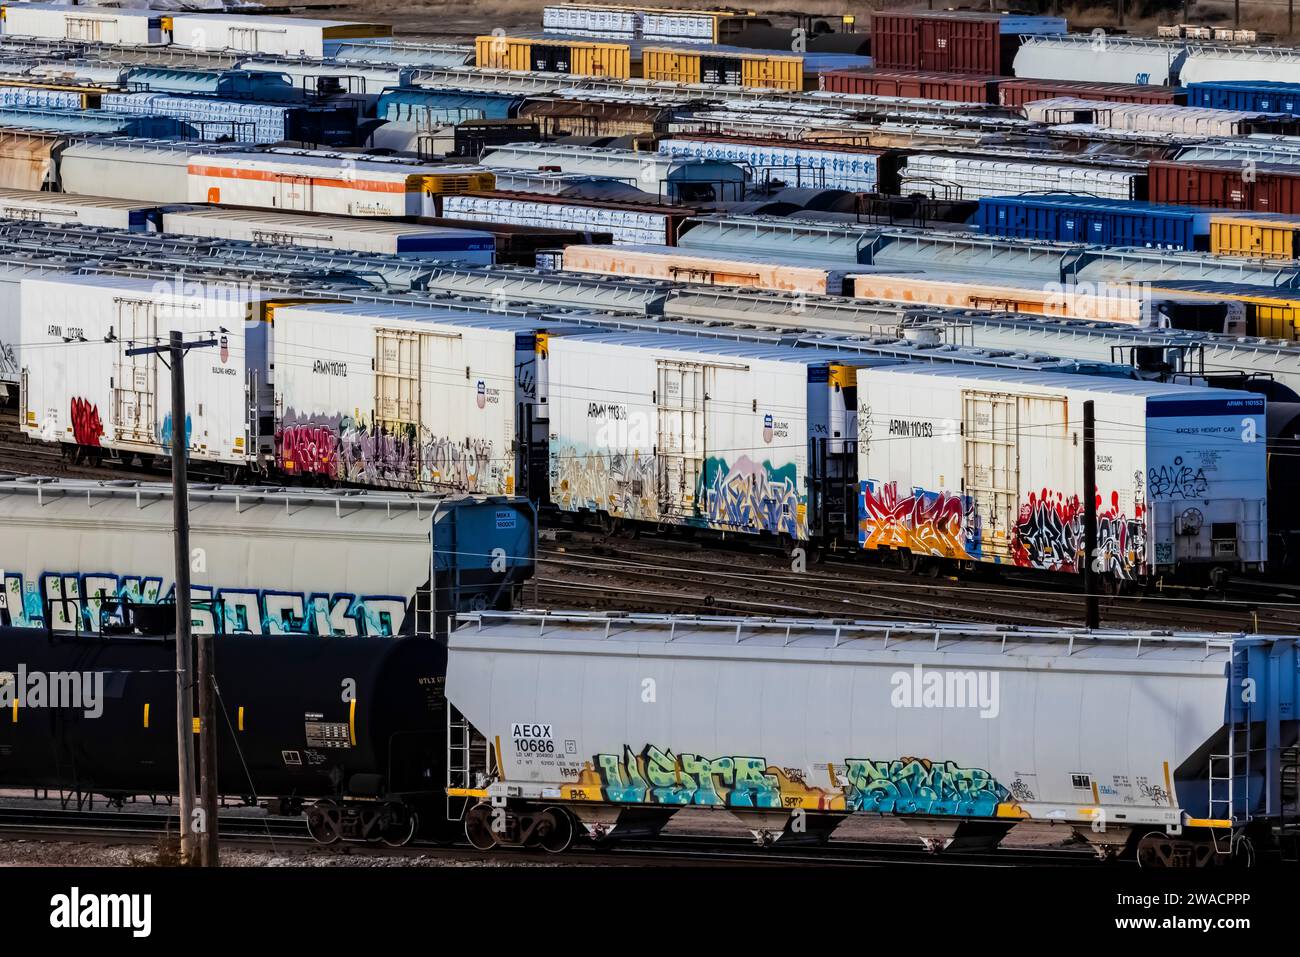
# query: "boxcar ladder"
469, 764
1229, 771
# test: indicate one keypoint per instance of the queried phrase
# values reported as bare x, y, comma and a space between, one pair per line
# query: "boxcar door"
135, 380
991, 466
395, 438
679, 444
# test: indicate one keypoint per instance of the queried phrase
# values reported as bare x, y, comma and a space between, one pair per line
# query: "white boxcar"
12, 275
275, 561
45, 207
397, 396
987, 466
794, 725
278, 36
155, 171
130, 27
825, 168
334, 232
968, 177
627, 226
82, 388
679, 431
1144, 117
325, 184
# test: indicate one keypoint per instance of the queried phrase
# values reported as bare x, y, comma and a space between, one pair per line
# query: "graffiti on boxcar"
927, 523
1177, 480
754, 497
918, 786
87, 427
658, 776
165, 432
620, 483
1049, 532
905, 785
87, 602
346, 449
1121, 541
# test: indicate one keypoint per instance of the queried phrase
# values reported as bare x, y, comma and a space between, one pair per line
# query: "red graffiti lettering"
86, 425
308, 450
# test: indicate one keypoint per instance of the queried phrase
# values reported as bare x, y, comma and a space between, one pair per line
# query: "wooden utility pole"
175, 350
1092, 609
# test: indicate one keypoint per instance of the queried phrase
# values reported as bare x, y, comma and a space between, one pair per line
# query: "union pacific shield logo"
225, 350
481, 398
767, 429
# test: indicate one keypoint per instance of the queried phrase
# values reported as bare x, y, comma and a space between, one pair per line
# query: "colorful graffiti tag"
927, 523
620, 483
346, 449
1049, 534
754, 497
86, 424
905, 785
918, 786
86, 601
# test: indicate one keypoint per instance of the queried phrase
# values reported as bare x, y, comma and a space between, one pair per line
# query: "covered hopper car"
1139, 742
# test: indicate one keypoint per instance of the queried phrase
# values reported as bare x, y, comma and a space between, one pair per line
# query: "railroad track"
261, 833
662, 575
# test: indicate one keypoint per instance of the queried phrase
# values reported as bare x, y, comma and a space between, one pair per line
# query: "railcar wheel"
323, 822
478, 827
1159, 850
400, 833
555, 830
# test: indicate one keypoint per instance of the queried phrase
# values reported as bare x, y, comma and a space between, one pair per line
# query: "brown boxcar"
951, 41
951, 87
1015, 93
1226, 184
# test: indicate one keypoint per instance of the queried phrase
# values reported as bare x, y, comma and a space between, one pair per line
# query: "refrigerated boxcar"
399, 396
987, 467
326, 184
738, 438
84, 389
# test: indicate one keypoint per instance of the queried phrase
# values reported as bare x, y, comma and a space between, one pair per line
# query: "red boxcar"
949, 41
951, 87
1016, 93
1227, 184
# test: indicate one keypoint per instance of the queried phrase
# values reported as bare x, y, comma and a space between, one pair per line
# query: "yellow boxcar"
558, 55
446, 183
1261, 236
775, 71
1271, 312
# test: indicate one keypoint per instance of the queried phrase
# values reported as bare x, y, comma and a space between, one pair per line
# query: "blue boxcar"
1058, 217
1250, 96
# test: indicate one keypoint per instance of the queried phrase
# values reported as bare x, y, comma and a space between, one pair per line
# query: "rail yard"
621, 436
